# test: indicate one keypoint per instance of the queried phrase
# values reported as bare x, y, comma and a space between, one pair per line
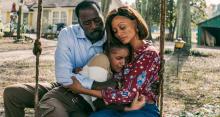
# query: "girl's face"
117, 58
124, 29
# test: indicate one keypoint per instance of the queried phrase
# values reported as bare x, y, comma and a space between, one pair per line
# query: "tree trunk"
105, 4
170, 19
173, 30
184, 23
147, 7
148, 16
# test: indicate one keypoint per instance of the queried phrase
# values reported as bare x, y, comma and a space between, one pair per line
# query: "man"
76, 45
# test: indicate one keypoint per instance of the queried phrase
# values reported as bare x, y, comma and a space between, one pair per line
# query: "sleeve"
63, 65
151, 84
136, 80
99, 64
100, 60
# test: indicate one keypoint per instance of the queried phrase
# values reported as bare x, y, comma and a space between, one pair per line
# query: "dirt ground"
194, 93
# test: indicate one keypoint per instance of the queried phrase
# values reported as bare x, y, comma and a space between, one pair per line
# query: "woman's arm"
138, 102
138, 77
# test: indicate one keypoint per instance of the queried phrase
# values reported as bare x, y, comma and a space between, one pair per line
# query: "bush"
197, 53
168, 51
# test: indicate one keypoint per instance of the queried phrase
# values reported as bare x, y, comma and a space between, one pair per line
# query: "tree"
197, 10
184, 23
171, 18
150, 11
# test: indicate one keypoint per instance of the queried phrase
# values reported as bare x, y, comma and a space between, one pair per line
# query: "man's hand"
138, 103
76, 87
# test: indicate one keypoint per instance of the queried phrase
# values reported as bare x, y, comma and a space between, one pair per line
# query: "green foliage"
171, 18
170, 12
198, 11
150, 10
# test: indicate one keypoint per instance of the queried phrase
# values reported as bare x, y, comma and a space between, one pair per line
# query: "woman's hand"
138, 103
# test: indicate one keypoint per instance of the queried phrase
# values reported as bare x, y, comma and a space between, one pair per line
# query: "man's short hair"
86, 4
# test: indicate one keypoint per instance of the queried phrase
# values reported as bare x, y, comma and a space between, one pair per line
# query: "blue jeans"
149, 110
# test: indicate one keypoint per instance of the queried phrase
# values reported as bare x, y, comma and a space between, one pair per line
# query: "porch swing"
37, 52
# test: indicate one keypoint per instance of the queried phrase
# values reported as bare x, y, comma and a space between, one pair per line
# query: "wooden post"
162, 37
37, 42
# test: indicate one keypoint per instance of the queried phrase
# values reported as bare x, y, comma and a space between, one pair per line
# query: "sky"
128, 1
212, 1
207, 1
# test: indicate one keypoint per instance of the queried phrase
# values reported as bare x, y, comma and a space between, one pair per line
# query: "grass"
7, 44
195, 93
197, 87
24, 72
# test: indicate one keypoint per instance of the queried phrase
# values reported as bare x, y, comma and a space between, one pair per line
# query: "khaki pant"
20, 96
59, 102
55, 101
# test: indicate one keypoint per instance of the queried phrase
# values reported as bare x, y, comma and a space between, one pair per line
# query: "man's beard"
96, 35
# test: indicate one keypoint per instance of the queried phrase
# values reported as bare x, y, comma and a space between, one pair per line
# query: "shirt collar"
143, 48
80, 33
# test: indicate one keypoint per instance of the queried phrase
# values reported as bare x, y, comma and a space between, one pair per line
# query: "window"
59, 17
63, 17
55, 17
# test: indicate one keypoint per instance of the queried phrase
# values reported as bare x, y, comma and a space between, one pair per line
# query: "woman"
140, 75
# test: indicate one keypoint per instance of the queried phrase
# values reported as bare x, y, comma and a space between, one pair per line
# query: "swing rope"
162, 37
37, 52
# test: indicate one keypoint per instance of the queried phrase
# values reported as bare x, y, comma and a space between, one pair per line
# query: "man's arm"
63, 61
76, 87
